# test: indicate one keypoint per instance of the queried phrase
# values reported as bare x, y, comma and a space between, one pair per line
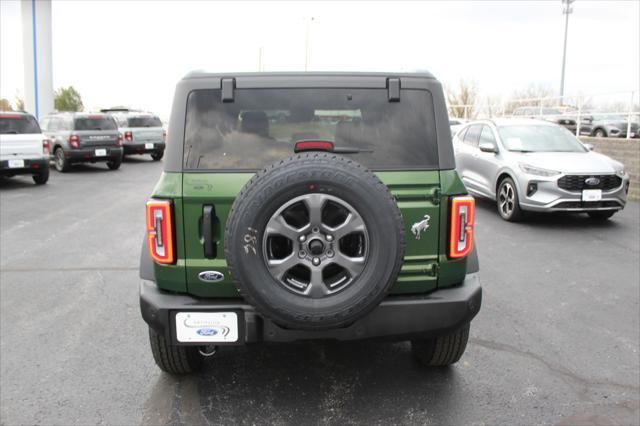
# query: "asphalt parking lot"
556, 341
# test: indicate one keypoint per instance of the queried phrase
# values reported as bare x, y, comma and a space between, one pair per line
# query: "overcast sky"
133, 53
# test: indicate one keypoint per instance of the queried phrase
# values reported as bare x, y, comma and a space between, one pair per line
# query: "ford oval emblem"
207, 331
592, 181
211, 276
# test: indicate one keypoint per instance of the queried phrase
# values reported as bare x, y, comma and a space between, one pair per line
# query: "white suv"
24, 150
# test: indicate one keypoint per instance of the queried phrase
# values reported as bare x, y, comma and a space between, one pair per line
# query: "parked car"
554, 115
79, 137
456, 124
534, 165
24, 150
266, 230
607, 125
142, 132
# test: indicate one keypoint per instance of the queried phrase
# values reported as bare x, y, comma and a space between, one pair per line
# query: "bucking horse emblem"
419, 227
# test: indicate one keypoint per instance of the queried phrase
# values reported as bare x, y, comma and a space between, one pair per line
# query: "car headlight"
621, 172
537, 170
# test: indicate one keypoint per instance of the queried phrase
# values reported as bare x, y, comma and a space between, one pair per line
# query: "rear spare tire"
314, 241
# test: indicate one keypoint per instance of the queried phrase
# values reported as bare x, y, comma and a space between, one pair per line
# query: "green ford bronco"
299, 206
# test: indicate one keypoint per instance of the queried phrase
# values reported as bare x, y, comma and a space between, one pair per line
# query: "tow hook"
208, 351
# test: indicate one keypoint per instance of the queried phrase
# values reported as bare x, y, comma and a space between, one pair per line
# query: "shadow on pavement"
16, 182
311, 382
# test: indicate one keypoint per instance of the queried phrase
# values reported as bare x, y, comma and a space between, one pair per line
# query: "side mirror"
589, 146
488, 147
588, 120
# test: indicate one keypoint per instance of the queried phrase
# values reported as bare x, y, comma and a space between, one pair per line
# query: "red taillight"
160, 231
313, 146
74, 141
128, 136
46, 146
119, 139
461, 228
164, 136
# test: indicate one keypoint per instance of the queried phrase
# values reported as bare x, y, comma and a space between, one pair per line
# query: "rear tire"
441, 351
174, 359
600, 216
114, 164
157, 156
600, 133
60, 161
508, 201
42, 177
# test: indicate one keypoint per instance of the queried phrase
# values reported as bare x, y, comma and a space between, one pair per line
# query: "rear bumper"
85, 155
141, 148
396, 318
32, 166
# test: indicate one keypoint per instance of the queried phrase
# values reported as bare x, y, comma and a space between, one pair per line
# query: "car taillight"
46, 146
119, 139
128, 136
164, 136
461, 228
160, 231
74, 141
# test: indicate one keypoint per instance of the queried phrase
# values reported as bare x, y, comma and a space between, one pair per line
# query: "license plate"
592, 195
101, 152
206, 327
148, 146
16, 164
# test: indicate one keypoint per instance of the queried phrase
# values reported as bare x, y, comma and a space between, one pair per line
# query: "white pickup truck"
24, 150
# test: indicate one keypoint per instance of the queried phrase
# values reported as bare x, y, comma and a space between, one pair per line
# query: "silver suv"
537, 166
79, 137
142, 132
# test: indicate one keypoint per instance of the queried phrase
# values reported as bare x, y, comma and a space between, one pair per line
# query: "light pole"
566, 9
306, 45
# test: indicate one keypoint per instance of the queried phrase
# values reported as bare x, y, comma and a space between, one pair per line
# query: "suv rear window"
144, 121
262, 126
18, 124
94, 123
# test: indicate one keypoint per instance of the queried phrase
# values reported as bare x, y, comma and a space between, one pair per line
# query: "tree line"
65, 99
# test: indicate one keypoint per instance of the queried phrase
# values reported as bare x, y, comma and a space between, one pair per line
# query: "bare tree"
462, 99
532, 95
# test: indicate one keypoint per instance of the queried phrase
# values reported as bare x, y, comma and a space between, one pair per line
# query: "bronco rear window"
144, 121
262, 126
18, 124
94, 123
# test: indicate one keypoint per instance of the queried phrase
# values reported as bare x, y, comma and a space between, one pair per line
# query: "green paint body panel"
418, 193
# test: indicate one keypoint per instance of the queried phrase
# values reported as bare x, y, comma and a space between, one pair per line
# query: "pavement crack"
563, 372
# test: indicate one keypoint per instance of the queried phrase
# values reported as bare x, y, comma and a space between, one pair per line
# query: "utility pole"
566, 10
307, 53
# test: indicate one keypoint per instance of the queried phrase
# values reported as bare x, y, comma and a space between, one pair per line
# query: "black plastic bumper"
31, 167
88, 155
141, 148
396, 318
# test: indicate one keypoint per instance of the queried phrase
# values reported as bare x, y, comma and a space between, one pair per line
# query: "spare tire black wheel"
314, 241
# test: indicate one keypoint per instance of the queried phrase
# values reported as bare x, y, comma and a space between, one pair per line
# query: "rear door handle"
207, 230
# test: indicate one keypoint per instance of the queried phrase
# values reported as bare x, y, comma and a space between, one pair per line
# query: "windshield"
144, 121
18, 124
550, 111
95, 123
532, 138
262, 126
